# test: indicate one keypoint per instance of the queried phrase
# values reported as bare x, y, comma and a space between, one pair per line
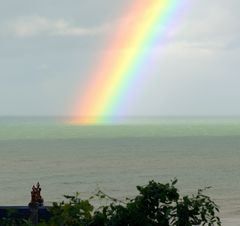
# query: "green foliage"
196, 210
160, 205
75, 212
153, 206
156, 205
12, 219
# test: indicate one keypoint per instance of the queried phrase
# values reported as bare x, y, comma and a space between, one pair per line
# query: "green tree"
156, 204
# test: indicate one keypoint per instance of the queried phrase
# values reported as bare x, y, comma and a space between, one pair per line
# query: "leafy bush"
11, 219
75, 212
156, 205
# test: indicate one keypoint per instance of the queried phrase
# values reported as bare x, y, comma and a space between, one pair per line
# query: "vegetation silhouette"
156, 204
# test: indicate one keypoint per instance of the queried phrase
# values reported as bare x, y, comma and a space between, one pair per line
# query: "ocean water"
67, 158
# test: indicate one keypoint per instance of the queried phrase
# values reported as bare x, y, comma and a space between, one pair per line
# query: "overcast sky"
48, 48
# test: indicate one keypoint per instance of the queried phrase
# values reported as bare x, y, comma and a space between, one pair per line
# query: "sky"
49, 47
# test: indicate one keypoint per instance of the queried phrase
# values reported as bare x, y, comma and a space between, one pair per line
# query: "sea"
68, 158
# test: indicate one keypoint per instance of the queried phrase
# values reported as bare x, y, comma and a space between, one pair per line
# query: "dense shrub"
156, 205
12, 218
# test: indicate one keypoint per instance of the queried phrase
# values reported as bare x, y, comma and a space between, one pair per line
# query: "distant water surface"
68, 158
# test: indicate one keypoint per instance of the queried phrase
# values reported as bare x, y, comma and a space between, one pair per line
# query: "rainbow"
143, 27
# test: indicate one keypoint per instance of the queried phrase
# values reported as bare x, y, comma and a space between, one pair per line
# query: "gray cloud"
211, 25
41, 26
